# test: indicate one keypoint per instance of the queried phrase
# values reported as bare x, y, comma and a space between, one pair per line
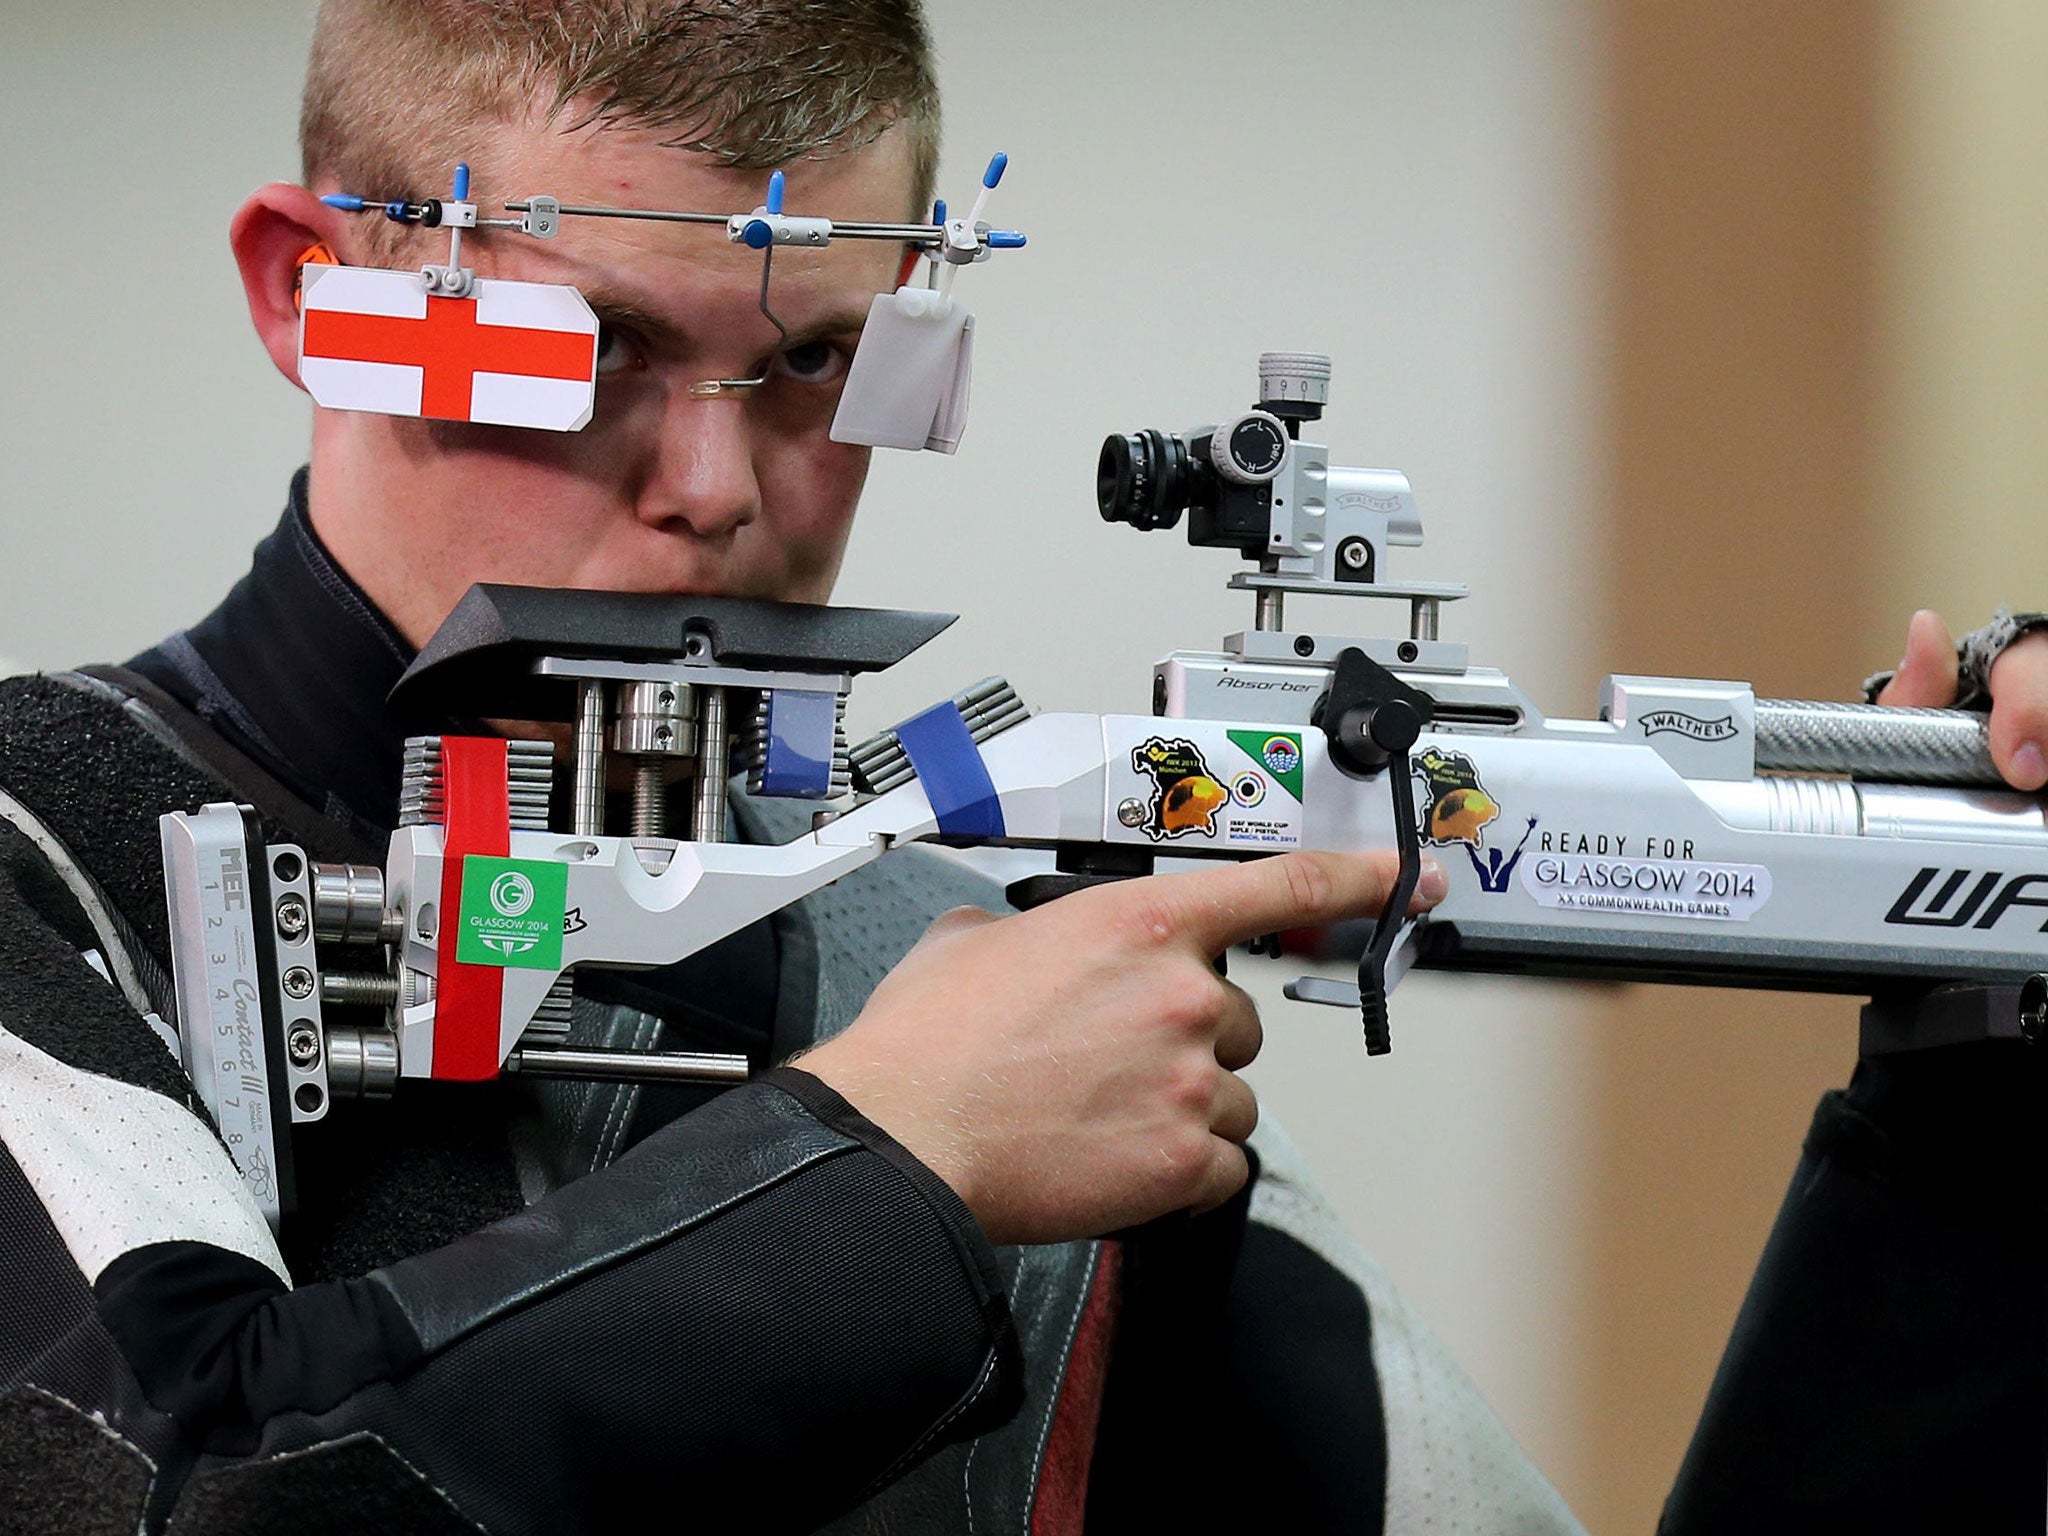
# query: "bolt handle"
1371, 719
1369, 716
1372, 965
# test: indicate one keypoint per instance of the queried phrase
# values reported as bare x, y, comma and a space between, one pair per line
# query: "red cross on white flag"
511, 355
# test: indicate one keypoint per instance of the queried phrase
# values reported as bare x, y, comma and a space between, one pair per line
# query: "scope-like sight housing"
1225, 474
1252, 485
1145, 479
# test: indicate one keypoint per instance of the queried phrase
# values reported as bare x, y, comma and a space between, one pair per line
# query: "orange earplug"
318, 254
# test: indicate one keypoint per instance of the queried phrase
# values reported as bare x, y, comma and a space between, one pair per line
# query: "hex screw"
302, 1045
291, 917
1304, 645
1354, 554
298, 982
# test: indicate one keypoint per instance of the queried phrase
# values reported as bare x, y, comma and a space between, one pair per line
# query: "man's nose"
703, 476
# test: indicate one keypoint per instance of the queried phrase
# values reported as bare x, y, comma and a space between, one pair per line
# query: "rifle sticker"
1497, 869
513, 912
1185, 795
1205, 785
1646, 887
1278, 752
1455, 807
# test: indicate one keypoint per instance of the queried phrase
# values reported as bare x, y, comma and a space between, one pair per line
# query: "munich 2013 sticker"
1455, 807
1207, 784
1185, 795
512, 912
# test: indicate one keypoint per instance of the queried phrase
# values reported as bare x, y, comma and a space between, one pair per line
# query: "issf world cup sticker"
1212, 785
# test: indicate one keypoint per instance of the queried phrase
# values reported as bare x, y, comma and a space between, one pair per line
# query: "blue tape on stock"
954, 777
802, 727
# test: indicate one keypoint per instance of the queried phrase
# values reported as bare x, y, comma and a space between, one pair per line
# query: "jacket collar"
293, 667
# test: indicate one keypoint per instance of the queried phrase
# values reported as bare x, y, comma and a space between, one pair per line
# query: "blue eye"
618, 349
814, 362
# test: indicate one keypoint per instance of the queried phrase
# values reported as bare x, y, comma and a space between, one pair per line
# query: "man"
781, 1304
534, 1311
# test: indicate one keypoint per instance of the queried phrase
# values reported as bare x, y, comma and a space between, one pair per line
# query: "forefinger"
1217, 908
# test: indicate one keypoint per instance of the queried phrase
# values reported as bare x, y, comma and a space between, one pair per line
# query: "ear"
269, 233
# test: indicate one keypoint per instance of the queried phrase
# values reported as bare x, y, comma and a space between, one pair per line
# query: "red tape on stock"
468, 999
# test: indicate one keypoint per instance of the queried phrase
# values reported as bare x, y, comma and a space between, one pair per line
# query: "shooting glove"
1975, 652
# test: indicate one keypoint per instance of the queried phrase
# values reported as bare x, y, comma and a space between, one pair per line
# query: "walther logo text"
1688, 725
1951, 898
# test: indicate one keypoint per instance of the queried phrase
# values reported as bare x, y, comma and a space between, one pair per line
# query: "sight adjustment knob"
1249, 449
1294, 385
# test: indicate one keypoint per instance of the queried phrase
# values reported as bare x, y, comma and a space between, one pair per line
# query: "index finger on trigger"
1222, 907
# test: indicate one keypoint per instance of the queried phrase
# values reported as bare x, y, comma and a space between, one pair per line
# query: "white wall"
147, 441
1409, 186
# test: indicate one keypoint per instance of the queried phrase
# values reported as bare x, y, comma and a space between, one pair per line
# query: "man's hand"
2019, 694
1072, 1070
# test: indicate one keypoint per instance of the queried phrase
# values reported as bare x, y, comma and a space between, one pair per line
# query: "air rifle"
1690, 832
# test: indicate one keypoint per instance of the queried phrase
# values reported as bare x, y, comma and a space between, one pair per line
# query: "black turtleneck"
294, 667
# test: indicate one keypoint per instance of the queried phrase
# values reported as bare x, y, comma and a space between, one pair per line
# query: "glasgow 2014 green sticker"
512, 911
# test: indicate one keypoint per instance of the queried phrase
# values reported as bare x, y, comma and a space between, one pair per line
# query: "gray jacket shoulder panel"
1452, 1467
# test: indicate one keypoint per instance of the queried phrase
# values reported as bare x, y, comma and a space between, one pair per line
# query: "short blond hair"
395, 87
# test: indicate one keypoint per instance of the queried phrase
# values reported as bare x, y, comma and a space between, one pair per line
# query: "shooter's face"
742, 493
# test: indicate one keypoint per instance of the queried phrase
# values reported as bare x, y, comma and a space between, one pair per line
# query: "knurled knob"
1294, 378
1249, 449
